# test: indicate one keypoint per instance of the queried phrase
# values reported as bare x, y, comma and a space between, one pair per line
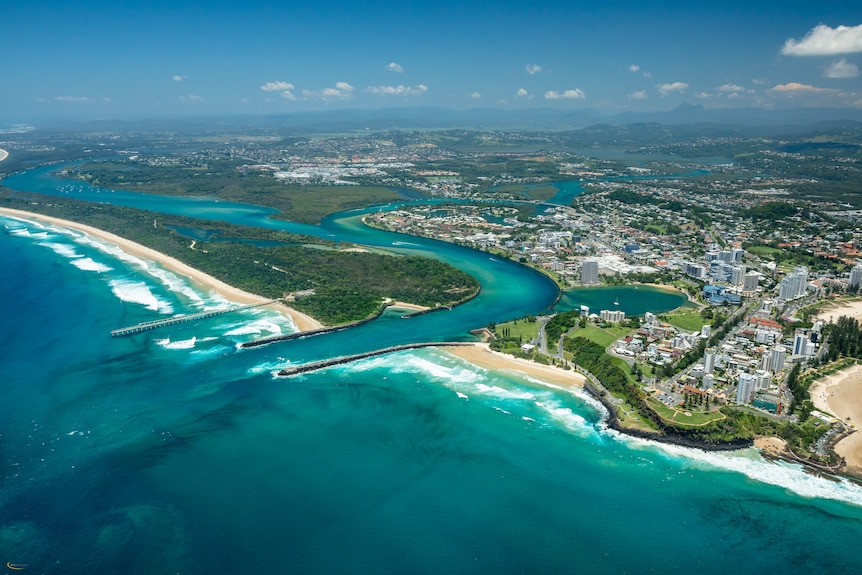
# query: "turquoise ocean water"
175, 452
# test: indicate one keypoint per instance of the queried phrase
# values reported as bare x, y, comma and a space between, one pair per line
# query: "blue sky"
92, 59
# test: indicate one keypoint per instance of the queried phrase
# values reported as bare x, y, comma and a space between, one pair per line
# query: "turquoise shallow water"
173, 451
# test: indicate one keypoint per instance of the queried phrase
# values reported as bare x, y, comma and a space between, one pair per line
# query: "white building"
709, 361
745, 387
777, 357
855, 276
612, 316
794, 284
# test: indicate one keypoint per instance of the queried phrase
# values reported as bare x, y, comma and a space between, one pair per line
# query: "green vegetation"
509, 336
770, 211
348, 285
560, 324
686, 319
603, 336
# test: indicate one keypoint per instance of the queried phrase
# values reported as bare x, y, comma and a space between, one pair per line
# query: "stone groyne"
315, 365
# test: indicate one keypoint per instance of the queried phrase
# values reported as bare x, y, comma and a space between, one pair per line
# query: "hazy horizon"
94, 60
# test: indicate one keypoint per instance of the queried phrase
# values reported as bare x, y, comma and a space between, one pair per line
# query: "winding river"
508, 290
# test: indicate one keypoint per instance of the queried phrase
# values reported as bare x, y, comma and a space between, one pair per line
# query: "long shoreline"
302, 321
477, 353
840, 395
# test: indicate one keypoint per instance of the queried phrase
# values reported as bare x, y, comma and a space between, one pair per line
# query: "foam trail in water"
89, 265
167, 278
61, 249
752, 465
138, 292
181, 344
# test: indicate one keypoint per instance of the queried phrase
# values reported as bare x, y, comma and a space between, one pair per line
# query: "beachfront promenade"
155, 324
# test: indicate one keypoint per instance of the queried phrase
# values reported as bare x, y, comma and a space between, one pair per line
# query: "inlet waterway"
178, 452
508, 290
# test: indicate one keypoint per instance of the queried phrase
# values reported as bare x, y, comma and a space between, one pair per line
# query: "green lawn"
697, 418
689, 320
764, 251
527, 330
603, 336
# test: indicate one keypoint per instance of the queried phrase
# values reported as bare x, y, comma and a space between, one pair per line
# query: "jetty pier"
155, 324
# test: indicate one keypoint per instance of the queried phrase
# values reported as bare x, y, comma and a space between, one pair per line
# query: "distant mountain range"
731, 121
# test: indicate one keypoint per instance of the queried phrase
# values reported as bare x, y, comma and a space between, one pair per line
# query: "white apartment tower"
855, 276
794, 284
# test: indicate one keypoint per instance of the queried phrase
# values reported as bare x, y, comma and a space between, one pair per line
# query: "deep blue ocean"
173, 451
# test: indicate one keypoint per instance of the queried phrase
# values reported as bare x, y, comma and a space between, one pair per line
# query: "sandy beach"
831, 312
840, 394
303, 322
482, 355
3, 154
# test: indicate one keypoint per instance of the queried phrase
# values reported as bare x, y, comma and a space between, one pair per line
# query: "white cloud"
667, 89
523, 94
825, 41
703, 95
532, 69
283, 87
192, 99
276, 86
634, 68
639, 95
398, 90
393, 67
731, 88
178, 78
341, 91
647, 74
475, 95
841, 69
792, 88
576, 94
71, 99
758, 81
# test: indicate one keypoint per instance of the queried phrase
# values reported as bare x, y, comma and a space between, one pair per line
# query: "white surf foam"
138, 292
409, 362
181, 344
567, 418
503, 393
749, 463
258, 327
61, 249
89, 265
167, 278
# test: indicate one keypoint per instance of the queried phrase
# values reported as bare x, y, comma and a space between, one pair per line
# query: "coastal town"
760, 270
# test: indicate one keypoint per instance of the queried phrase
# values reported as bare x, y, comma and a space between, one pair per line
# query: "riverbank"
302, 321
840, 394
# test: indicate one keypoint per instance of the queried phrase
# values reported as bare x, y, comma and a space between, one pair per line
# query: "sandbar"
3, 154
482, 355
302, 321
840, 394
